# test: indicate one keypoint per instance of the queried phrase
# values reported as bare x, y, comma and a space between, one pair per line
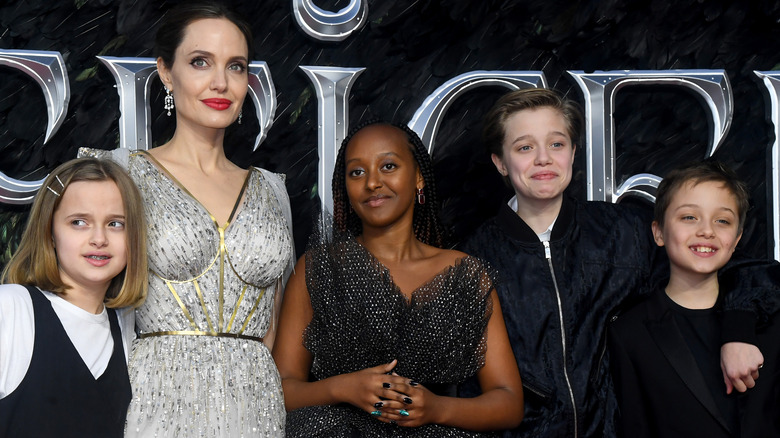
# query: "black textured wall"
410, 48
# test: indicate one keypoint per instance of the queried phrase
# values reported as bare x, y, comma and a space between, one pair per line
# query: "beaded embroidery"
219, 281
361, 319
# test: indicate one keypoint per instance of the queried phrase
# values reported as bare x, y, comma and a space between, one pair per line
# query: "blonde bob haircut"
35, 261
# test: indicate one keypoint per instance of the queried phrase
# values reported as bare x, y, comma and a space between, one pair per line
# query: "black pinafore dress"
59, 396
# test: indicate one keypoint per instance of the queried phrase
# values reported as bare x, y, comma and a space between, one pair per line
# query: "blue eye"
238, 67
557, 145
199, 62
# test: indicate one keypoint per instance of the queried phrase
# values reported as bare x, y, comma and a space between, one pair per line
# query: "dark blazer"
660, 389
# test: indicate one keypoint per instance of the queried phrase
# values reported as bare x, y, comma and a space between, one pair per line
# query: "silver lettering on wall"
330, 26
133, 77
332, 86
15, 191
48, 70
427, 118
710, 86
771, 81
263, 95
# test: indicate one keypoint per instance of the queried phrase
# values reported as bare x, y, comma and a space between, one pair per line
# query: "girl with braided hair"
427, 227
379, 324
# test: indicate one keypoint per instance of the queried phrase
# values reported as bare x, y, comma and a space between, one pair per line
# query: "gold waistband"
200, 333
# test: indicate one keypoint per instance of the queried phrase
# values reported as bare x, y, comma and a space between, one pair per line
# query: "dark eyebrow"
211, 55
384, 154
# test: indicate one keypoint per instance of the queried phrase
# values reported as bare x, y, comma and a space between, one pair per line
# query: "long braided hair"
427, 226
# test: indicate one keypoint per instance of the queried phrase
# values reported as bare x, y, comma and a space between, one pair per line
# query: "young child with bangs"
66, 319
665, 350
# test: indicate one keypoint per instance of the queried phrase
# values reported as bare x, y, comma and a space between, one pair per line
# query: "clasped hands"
390, 398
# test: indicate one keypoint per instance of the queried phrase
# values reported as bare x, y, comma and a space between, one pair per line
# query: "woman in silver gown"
220, 248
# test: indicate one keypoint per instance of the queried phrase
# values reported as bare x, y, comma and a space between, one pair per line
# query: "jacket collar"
514, 227
666, 334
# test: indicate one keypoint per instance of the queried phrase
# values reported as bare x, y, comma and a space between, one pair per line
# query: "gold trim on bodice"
224, 258
199, 333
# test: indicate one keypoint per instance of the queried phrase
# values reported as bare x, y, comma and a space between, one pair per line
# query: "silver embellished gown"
361, 319
199, 367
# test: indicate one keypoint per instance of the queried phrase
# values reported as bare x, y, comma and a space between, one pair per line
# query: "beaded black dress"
361, 319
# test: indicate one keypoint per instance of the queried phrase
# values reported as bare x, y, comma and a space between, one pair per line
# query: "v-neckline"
383, 269
157, 164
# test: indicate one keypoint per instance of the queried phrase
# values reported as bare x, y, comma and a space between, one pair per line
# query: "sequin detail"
213, 279
361, 319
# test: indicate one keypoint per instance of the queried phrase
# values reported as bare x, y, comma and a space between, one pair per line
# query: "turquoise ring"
403, 413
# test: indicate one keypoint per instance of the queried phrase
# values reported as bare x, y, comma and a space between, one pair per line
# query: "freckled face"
381, 176
88, 229
701, 228
538, 155
209, 74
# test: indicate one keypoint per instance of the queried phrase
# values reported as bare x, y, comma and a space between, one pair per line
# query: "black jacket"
557, 299
662, 391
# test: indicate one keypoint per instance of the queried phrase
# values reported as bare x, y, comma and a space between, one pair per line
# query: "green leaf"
300, 102
117, 42
87, 73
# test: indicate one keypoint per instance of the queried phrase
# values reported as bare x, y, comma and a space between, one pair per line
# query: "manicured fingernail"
385, 385
407, 400
378, 405
413, 383
376, 413
403, 413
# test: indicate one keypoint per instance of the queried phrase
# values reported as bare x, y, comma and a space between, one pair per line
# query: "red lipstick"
217, 104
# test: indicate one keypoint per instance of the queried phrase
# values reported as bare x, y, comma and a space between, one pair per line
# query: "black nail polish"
378, 405
413, 383
385, 385
407, 400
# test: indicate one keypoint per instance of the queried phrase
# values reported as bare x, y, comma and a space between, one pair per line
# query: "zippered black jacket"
556, 309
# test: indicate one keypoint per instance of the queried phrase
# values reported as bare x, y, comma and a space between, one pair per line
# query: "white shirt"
543, 236
90, 333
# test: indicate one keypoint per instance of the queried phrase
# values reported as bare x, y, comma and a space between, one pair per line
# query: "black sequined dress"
361, 319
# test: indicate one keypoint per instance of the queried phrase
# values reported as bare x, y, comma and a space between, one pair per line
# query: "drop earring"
420, 196
240, 116
168, 103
